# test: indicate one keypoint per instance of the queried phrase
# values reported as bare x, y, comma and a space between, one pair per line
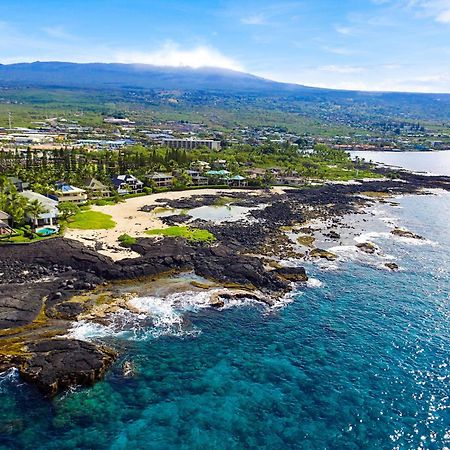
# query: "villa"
68, 193
127, 184
96, 189
50, 205
161, 179
197, 178
5, 224
237, 181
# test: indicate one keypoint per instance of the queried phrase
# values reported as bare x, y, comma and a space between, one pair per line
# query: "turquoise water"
46, 231
360, 359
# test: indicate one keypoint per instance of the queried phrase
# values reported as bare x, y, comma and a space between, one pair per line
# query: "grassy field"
191, 234
91, 220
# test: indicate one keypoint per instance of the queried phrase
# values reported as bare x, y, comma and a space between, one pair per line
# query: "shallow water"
225, 213
359, 359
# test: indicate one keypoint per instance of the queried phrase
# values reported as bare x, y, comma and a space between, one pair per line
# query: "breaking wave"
153, 317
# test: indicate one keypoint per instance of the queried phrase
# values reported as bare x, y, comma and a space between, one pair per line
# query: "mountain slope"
97, 75
227, 89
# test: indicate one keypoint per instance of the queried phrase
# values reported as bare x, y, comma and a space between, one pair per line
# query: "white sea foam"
156, 316
314, 283
10, 376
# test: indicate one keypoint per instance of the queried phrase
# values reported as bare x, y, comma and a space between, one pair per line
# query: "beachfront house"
127, 184
161, 180
218, 176
5, 224
237, 181
67, 193
96, 189
288, 180
197, 178
50, 216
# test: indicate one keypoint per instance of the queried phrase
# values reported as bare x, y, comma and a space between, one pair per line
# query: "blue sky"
401, 45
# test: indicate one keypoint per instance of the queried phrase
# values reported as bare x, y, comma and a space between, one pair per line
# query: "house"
255, 173
50, 205
18, 183
287, 180
200, 165
5, 224
197, 178
5, 229
127, 184
5, 217
221, 176
220, 164
96, 189
237, 181
67, 193
161, 179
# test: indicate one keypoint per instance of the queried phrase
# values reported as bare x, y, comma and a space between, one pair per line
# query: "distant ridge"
323, 104
98, 75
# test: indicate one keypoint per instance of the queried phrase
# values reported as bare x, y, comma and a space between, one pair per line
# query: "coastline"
249, 256
131, 220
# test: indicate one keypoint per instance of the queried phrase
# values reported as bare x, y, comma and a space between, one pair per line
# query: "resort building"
127, 184
96, 189
190, 143
161, 179
67, 193
51, 208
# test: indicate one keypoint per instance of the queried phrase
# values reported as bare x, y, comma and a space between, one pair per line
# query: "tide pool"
359, 358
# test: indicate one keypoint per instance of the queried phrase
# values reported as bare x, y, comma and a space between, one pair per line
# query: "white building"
191, 143
50, 205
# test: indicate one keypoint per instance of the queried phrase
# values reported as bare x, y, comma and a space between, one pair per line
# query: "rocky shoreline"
40, 282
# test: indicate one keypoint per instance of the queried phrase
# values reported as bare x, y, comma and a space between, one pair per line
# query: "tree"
67, 209
35, 208
15, 206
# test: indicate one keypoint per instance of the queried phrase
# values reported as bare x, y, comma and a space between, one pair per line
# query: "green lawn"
19, 237
191, 234
91, 220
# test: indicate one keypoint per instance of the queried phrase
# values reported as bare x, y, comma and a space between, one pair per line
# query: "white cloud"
346, 31
58, 32
340, 50
439, 10
256, 19
341, 69
171, 54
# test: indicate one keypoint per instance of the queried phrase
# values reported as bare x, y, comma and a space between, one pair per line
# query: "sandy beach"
130, 220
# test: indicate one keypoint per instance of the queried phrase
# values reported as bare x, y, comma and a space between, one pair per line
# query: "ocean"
435, 163
358, 358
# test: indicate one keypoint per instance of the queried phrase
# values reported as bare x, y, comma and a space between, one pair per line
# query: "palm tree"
15, 206
35, 208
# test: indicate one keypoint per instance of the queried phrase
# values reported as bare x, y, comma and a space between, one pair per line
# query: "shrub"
126, 240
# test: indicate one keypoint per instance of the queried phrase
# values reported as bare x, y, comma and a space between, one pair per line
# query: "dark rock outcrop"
292, 273
367, 247
56, 364
320, 253
406, 234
